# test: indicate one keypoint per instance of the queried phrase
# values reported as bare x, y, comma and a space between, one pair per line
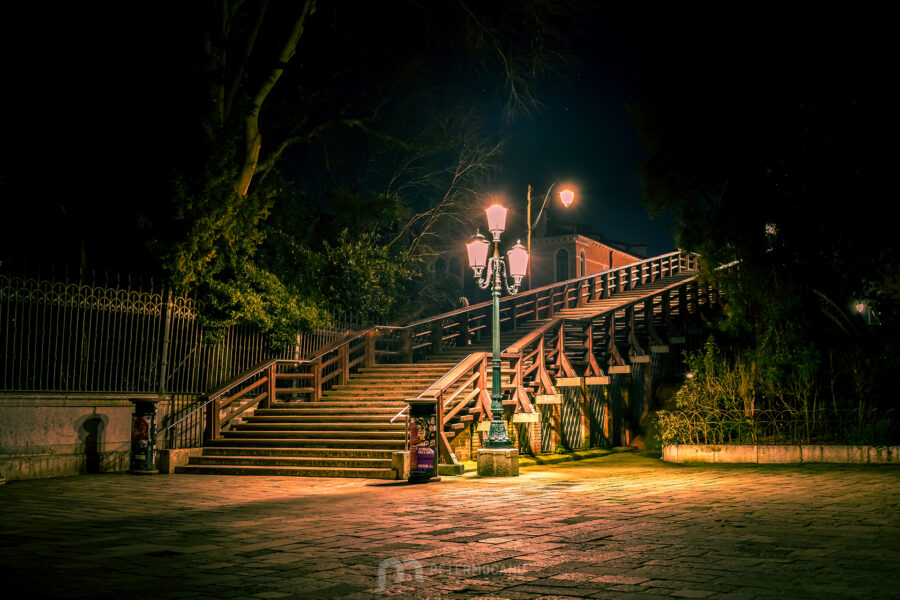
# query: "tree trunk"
251, 123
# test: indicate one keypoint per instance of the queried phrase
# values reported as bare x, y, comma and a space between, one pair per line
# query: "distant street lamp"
566, 196
496, 276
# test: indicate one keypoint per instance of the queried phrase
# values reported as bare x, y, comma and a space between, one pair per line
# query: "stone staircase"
346, 434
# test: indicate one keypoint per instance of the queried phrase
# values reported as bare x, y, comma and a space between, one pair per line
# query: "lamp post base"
498, 462
497, 437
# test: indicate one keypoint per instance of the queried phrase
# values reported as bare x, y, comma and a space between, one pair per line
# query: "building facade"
560, 257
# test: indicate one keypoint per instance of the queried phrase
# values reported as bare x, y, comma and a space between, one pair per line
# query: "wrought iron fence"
71, 337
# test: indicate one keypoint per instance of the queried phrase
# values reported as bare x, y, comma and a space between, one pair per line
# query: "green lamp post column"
496, 277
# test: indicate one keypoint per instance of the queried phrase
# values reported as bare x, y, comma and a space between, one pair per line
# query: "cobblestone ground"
622, 526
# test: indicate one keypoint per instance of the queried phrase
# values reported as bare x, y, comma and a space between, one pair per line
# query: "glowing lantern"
496, 216
477, 250
518, 262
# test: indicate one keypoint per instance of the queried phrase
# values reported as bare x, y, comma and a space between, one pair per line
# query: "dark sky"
701, 53
82, 94
585, 136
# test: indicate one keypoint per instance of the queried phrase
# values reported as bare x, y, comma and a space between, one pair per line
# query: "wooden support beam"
547, 399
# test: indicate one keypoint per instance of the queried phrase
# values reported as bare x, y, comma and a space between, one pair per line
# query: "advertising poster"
422, 440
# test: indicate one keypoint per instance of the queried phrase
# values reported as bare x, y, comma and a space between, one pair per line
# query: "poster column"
423, 451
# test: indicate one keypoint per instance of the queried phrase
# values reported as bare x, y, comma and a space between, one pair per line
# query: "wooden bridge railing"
334, 364
457, 328
565, 350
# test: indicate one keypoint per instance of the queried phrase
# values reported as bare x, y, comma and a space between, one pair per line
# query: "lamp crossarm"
544, 205
486, 280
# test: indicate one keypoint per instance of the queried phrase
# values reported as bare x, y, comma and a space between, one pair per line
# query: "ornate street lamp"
566, 196
496, 277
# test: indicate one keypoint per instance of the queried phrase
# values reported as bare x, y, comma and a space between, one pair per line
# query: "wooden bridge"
579, 361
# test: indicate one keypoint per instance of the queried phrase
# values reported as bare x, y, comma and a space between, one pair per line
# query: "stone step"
299, 443
338, 453
365, 402
294, 431
376, 393
343, 404
326, 418
348, 412
285, 425
377, 370
292, 461
287, 471
398, 382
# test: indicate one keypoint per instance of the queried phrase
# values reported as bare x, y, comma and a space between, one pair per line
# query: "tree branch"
253, 139
245, 56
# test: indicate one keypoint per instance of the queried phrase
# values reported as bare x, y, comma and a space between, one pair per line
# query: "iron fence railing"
767, 427
81, 337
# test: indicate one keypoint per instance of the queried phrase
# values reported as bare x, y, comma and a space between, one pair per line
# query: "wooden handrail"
554, 286
449, 378
531, 337
239, 379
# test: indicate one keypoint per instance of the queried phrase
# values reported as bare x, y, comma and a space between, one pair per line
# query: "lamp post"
566, 196
495, 276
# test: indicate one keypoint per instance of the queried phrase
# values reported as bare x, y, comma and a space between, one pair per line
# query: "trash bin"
423, 450
143, 438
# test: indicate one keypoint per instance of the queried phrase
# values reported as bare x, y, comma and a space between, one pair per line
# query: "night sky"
584, 135
86, 94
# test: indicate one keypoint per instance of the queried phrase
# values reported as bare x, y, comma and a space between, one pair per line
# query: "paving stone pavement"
621, 526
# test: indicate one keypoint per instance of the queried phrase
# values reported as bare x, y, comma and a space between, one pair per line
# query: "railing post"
344, 363
695, 299
514, 307
317, 379
164, 347
463, 324
212, 420
369, 349
270, 392
406, 351
437, 335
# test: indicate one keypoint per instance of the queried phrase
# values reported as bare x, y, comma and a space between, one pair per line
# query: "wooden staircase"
330, 416
346, 434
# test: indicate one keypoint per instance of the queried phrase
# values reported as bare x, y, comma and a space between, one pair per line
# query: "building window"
562, 265
582, 265
440, 267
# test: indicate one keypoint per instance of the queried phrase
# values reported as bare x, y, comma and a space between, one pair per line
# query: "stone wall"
781, 454
44, 435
